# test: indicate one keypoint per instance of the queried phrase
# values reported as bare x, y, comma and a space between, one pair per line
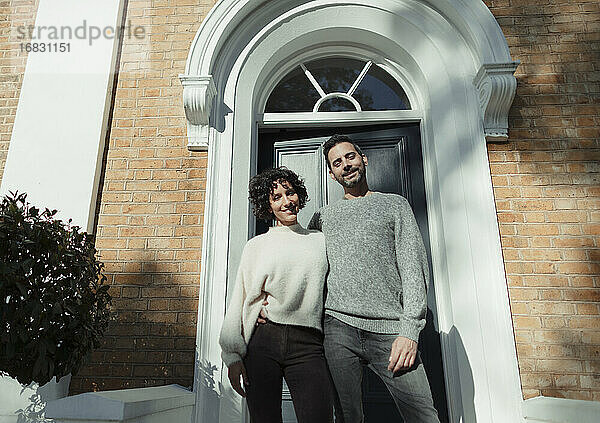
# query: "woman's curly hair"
262, 185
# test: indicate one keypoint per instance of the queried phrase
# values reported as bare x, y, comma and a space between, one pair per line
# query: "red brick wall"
546, 182
547, 186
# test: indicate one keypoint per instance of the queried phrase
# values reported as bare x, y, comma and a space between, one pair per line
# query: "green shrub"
54, 303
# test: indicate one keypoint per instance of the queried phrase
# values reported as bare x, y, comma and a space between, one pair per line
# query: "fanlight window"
336, 85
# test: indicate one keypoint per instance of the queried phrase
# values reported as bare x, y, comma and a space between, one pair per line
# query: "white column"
57, 142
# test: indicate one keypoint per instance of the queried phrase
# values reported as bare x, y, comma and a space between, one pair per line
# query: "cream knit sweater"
288, 264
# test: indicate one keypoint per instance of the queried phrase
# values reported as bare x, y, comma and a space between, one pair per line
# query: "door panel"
394, 165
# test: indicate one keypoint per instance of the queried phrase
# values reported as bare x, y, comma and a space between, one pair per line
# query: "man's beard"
354, 182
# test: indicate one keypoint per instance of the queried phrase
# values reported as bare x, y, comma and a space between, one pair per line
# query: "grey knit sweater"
378, 271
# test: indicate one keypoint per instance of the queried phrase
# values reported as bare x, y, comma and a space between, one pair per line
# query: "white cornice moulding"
497, 85
198, 95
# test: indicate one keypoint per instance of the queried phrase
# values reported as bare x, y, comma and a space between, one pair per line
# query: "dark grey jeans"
276, 351
347, 349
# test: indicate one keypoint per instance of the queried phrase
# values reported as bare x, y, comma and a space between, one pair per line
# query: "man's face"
347, 166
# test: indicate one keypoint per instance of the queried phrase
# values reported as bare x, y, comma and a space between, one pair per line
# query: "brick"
131, 292
590, 381
574, 268
573, 242
541, 254
180, 304
592, 295
518, 308
533, 204
160, 304
523, 294
566, 381
582, 281
527, 322
554, 322
161, 243
506, 217
554, 336
190, 291
161, 292
161, 317
545, 280
567, 216
540, 242
536, 380
139, 208
549, 365
136, 231
574, 255
551, 294
587, 308
131, 304
152, 371
584, 322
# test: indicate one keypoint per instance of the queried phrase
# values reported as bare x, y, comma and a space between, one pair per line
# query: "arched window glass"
334, 85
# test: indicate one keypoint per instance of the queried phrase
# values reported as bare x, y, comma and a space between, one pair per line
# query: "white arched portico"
453, 61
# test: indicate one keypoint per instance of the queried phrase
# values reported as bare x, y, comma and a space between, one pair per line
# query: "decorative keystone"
497, 85
198, 95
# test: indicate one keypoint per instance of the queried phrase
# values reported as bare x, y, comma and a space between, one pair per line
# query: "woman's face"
284, 203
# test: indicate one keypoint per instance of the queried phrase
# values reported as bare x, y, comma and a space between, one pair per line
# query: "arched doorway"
341, 84
453, 63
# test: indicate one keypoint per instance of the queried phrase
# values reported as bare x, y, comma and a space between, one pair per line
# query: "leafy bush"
54, 303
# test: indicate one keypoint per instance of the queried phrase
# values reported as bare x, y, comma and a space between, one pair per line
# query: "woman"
288, 264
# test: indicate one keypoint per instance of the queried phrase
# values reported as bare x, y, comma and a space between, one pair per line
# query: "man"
376, 290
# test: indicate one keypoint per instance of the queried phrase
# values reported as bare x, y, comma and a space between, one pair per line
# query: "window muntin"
337, 84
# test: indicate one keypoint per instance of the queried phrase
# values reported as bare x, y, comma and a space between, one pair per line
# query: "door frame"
453, 62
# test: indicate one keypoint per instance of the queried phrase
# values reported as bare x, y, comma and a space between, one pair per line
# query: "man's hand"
403, 355
262, 317
236, 370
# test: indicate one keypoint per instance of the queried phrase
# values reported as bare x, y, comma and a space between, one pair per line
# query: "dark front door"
396, 166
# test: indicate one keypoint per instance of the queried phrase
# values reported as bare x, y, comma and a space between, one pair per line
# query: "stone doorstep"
560, 410
120, 405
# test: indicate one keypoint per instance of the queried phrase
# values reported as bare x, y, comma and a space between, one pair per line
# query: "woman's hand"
262, 317
236, 370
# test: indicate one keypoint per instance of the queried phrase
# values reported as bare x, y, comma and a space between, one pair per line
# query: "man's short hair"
335, 140
262, 185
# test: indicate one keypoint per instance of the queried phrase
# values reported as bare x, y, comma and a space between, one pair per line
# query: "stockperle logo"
65, 33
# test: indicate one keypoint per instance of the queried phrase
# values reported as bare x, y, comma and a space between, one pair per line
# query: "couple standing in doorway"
315, 305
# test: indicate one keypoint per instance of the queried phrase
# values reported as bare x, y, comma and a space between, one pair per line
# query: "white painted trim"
434, 49
306, 119
198, 95
312, 80
497, 86
360, 77
560, 410
345, 96
142, 405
